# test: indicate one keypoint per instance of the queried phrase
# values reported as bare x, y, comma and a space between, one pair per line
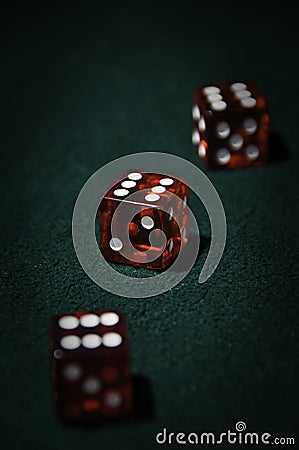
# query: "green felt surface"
84, 84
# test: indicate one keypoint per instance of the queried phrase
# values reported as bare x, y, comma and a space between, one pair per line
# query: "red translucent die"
153, 211
231, 125
90, 365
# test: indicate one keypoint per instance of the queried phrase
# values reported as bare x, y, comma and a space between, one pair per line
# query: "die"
153, 203
231, 125
90, 364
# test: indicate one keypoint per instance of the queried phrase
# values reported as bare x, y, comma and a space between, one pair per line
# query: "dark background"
82, 84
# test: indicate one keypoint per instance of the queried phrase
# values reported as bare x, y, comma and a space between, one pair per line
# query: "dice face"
90, 365
152, 210
231, 125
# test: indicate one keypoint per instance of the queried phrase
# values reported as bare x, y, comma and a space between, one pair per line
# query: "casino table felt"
83, 84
